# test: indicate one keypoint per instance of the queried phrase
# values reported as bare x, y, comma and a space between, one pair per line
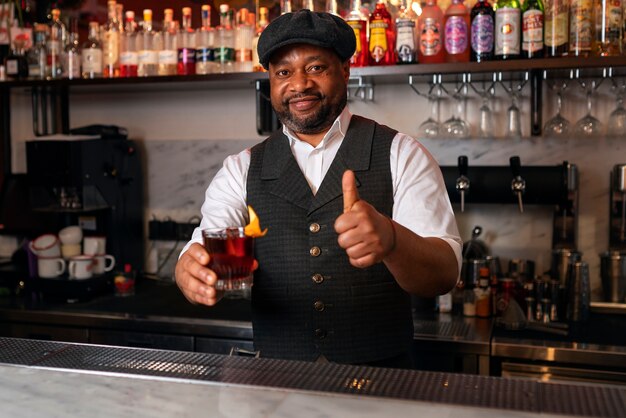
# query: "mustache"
316, 94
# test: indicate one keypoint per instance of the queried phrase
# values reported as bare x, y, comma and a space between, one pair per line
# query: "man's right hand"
195, 280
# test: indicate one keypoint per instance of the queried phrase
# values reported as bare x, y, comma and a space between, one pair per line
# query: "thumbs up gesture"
366, 235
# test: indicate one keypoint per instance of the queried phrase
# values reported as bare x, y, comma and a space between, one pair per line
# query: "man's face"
308, 86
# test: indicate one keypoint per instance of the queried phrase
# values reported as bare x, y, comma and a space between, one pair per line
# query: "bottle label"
405, 40
357, 26
167, 56
532, 30
12, 67
92, 60
615, 20
580, 26
73, 65
556, 23
456, 35
243, 55
482, 34
430, 36
205, 54
508, 31
148, 57
110, 48
378, 39
129, 58
186, 55
224, 54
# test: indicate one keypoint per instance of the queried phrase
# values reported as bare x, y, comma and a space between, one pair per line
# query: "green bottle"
508, 32
532, 29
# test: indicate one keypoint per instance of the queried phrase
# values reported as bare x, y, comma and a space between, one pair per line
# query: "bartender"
357, 213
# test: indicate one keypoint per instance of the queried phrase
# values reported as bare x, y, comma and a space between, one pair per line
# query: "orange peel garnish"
253, 229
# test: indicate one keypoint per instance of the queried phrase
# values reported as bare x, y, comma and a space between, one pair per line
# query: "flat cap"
307, 27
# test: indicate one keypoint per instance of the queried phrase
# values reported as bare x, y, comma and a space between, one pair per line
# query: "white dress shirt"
421, 202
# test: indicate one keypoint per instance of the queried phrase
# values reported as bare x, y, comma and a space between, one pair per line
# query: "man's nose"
300, 81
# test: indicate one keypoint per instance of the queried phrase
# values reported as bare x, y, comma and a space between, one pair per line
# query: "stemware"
514, 123
431, 127
558, 125
616, 125
456, 126
485, 116
589, 125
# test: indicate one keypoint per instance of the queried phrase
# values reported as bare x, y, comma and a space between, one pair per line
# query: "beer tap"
462, 182
518, 184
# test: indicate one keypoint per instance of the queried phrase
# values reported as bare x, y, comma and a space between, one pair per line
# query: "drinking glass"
616, 125
485, 117
430, 127
558, 126
456, 126
232, 258
589, 125
514, 123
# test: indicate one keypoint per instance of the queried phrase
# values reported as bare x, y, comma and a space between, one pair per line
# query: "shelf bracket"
358, 89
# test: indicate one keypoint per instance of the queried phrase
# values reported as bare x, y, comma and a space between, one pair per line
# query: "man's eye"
282, 73
315, 68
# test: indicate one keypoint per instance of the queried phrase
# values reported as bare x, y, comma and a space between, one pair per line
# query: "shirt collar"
337, 131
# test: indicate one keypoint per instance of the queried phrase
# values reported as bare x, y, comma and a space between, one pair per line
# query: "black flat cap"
307, 27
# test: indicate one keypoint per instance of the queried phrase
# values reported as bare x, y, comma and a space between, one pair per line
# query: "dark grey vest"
307, 299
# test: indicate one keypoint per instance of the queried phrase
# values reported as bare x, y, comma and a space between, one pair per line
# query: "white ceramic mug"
71, 235
103, 263
46, 245
94, 245
81, 267
50, 267
70, 250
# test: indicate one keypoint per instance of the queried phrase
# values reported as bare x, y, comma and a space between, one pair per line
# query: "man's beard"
315, 123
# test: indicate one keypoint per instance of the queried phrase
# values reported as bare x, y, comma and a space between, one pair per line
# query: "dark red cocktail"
232, 257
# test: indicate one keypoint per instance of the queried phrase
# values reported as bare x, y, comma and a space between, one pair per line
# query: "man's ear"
346, 70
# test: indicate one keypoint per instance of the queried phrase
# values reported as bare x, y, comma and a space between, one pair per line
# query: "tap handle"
518, 184
516, 165
463, 165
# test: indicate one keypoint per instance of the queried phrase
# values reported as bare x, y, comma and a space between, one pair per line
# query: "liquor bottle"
430, 33
205, 44
482, 17
56, 45
129, 59
119, 16
608, 28
37, 56
92, 53
186, 46
260, 27
358, 22
308, 4
556, 32
406, 34
332, 7
382, 45
482, 294
580, 27
244, 34
285, 6
225, 43
147, 54
457, 32
111, 43
168, 58
16, 63
507, 30
532, 29
71, 57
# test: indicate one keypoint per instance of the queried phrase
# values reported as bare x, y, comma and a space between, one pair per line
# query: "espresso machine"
94, 183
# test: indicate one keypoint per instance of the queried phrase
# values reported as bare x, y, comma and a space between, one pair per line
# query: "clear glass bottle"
608, 28
147, 54
556, 28
382, 39
457, 32
225, 42
332, 7
482, 19
168, 58
508, 29
532, 29
406, 34
71, 57
91, 55
186, 46
244, 34
580, 27
129, 59
285, 6
56, 45
205, 44
37, 55
358, 22
430, 32
260, 27
308, 4
111, 43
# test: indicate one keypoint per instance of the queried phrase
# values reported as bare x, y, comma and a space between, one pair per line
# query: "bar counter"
42, 378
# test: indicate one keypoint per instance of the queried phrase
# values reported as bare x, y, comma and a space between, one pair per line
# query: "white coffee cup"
71, 235
81, 267
46, 245
103, 263
50, 267
94, 245
70, 250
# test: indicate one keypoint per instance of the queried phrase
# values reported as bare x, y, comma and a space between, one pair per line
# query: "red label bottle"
382, 45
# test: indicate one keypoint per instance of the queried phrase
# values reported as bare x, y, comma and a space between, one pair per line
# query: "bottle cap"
147, 14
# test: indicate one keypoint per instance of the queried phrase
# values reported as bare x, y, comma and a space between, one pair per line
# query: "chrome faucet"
462, 182
518, 184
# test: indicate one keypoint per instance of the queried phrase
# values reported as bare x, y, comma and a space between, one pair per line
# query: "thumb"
350, 193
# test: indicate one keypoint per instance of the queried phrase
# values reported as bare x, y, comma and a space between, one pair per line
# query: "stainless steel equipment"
617, 218
613, 275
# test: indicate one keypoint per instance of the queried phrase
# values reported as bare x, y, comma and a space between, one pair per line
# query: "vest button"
314, 227
320, 333
315, 251
319, 305
317, 278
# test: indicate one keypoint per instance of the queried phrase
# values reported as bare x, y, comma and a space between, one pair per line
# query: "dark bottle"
482, 18
532, 29
16, 63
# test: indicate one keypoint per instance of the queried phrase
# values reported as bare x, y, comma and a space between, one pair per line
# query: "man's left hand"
366, 235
